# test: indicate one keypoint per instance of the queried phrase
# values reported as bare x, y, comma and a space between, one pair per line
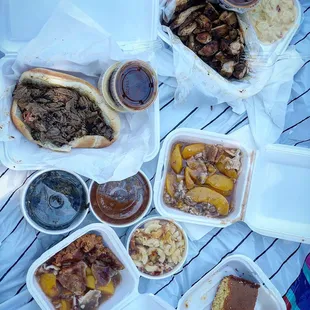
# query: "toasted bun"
47, 77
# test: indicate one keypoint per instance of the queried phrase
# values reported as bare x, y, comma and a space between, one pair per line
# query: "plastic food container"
126, 295
253, 82
201, 295
55, 202
270, 195
129, 86
16, 31
177, 267
138, 218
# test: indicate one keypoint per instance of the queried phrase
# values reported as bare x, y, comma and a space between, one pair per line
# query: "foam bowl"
178, 266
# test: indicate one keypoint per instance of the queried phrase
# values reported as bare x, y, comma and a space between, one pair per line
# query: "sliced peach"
170, 184
207, 195
48, 284
176, 160
192, 150
220, 182
188, 179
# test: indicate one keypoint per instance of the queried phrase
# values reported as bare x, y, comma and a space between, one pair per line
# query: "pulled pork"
59, 115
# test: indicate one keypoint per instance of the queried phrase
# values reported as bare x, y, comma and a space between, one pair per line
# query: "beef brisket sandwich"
59, 112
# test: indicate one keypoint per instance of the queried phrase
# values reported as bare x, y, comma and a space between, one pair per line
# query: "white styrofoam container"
250, 85
201, 295
126, 294
179, 265
21, 23
271, 193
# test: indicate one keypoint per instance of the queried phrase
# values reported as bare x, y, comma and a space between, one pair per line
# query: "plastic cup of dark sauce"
130, 86
121, 203
240, 6
55, 201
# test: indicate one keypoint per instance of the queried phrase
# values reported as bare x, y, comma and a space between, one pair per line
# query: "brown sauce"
120, 202
134, 85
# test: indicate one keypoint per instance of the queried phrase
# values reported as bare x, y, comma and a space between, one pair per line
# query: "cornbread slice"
235, 293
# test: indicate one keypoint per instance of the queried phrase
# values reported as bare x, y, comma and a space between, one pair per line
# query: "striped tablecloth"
282, 261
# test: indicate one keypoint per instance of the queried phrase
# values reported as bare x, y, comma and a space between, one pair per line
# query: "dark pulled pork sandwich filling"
59, 115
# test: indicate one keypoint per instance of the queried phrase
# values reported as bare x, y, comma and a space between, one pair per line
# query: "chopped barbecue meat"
233, 163
59, 115
90, 300
219, 31
224, 45
210, 31
183, 16
73, 278
72, 253
109, 259
215, 64
228, 69
216, 23
211, 12
76, 250
204, 37
212, 153
233, 34
220, 56
193, 44
189, 20
184, 38
181, 5
187, 30
89, 242
197, 164
102, 273
235, 48
229, 18
240, 71
198, 30
204, 22
209, 49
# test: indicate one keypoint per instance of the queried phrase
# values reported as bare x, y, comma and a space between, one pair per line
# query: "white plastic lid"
278, 202
22, 20
149, 302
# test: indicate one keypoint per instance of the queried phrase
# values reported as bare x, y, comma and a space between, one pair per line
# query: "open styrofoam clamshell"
255, 81
21, 23
201, 295
126, 294
271, 193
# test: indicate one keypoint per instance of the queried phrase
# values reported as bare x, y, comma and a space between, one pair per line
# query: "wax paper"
72, 42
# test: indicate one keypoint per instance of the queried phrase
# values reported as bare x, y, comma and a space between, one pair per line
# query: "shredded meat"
233, 163
213, 153
59, 115
89, 242
71, 253
109, 259
103, 274
73, 278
